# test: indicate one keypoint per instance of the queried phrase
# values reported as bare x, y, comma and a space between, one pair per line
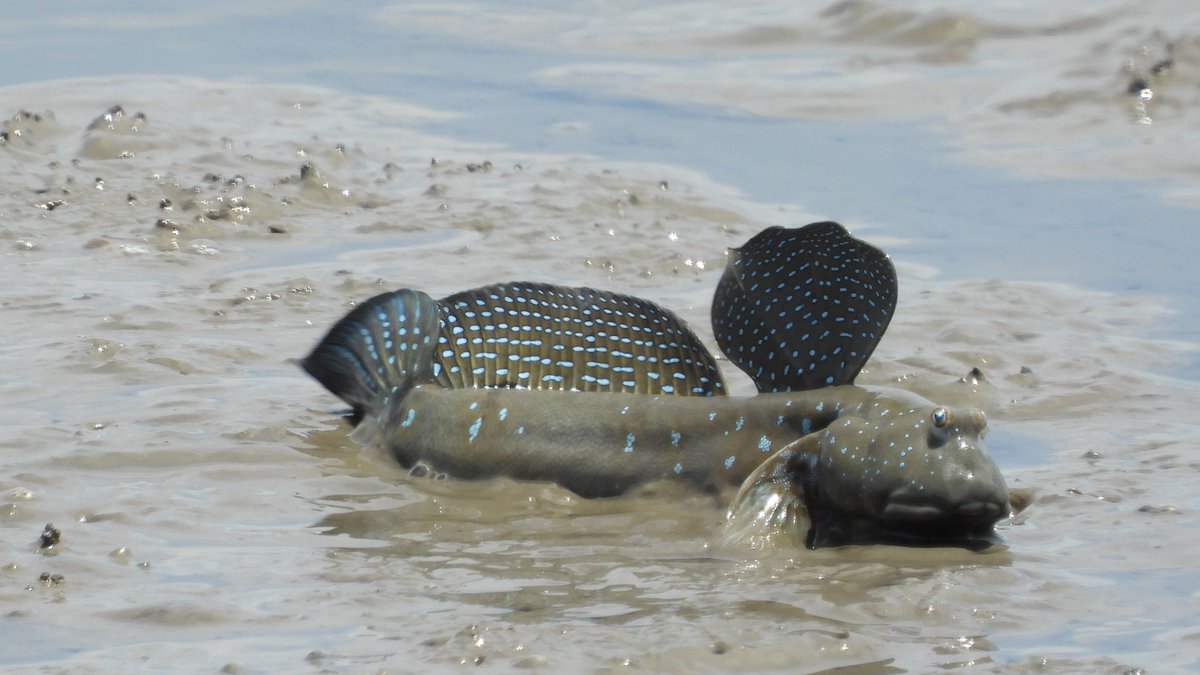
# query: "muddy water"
163, 262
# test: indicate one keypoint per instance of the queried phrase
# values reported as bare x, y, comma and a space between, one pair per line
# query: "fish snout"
967, 503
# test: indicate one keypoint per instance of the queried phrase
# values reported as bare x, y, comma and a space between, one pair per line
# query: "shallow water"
160, 273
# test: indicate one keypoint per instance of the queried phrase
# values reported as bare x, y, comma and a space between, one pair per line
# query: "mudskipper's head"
902, 469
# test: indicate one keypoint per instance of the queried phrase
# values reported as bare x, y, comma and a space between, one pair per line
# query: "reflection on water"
162, 271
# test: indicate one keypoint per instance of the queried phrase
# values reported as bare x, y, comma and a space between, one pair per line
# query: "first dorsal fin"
803, 308
541, 336
378, 351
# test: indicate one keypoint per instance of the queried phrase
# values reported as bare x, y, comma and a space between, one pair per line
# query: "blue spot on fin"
803, 308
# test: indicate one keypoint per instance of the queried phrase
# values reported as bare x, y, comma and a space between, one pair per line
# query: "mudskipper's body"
460, 385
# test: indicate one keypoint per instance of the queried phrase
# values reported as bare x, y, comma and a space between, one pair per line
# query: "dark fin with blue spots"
803, 308
541, 336
378, 351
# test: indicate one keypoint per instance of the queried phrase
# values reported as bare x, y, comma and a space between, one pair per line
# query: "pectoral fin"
769, 511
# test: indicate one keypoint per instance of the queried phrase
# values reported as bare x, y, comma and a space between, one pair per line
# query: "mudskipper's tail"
378, 351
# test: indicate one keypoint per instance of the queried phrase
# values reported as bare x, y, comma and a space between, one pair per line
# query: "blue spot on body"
737, 426
729, 462
503, 413
805, 426
629, 439
675, 436
474, 430
408, 419
678, 468
764, 444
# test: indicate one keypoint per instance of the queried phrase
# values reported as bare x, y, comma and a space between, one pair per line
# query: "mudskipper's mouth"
967, 513
964, 508
918, 520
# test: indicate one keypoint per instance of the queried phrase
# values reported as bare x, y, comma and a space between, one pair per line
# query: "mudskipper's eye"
940, 417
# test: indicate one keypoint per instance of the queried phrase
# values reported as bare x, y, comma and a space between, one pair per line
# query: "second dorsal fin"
541, 336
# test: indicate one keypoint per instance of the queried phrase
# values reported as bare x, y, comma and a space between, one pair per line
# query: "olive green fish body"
600, 392
596, 444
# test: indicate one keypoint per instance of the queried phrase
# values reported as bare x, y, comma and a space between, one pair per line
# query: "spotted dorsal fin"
541, 336
378, 351
803, 308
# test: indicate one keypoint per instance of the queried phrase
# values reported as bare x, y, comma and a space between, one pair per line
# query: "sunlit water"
272, 163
